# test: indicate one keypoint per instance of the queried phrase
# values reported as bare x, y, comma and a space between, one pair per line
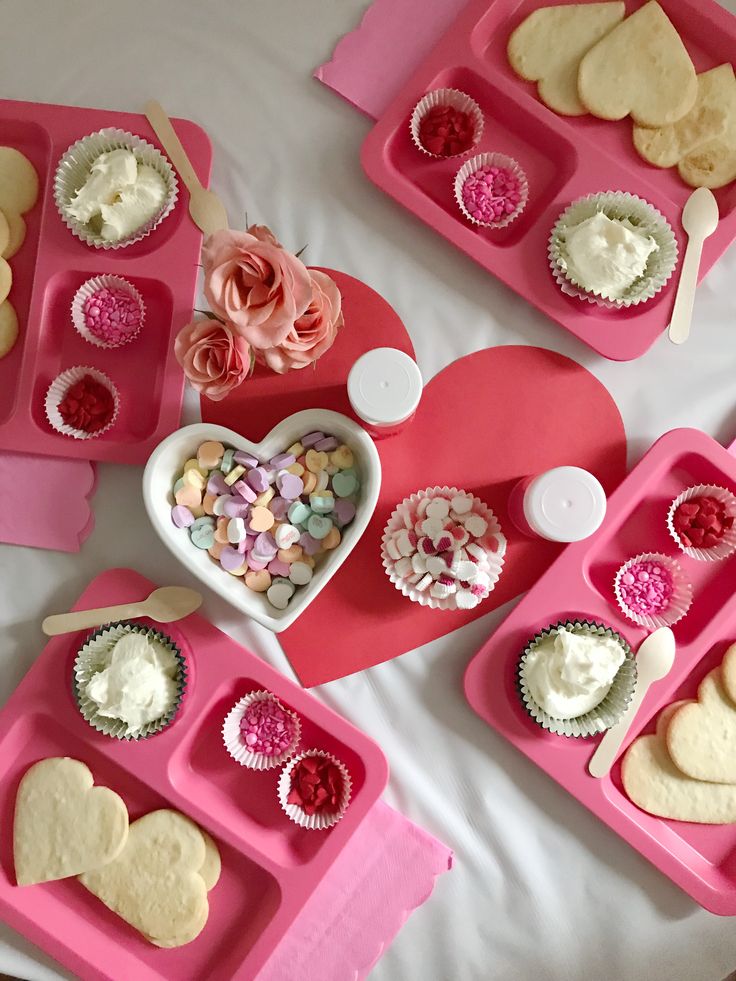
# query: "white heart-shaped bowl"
167, 460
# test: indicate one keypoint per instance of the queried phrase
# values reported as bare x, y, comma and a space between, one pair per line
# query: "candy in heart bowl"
165, 469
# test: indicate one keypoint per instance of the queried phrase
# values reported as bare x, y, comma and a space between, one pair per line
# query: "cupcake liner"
616, 204
319, 821
93, 656
491, 160
446, 97
58, 389
397, 521
73, 170
679, 602
237, 748
86, 290
603, 716
728, 543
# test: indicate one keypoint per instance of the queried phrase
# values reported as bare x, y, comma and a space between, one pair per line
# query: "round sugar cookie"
212, 865
4, 233
6, 280
17, 234
8, 328
18, 181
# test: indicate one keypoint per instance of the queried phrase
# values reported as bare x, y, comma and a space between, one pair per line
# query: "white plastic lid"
565, 504
384, 386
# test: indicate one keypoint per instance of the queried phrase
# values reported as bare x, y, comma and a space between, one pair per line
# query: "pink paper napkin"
387, 871
369, 65
46, 501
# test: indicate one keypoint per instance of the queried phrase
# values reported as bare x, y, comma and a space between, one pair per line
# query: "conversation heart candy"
342, 457
228, 461
258, 479
319, 526
182, 516
300, 573
202, 532
279, 594
286, 535
209, 454
289, 485
344, 484
231, 560
258, 580
299, 513
316, 460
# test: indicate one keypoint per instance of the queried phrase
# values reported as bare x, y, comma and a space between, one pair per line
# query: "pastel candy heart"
258, 479
209, 454
243, 488
218, 508
234, 475
332, 539
310, 482
208, 503
264, 499
231, 560
258, 580
182, 516
216, 483
236, 507
202, 532
257, 565
291, 554
265, 544
344, 511
194, 463
289, 485
261, 519
342, 457
300, 573
246, 460
286, 535
299, 513
279, 595
311, 438
310, 545
188, 496
319, 526
322, 481
221, 530
321, 503
278, 568
281, 461
316, 460
280, 508
193, 478
227, 462
235, 530
344, 484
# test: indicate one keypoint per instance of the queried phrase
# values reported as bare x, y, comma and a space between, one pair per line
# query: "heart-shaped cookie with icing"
548, 45
63, 824
701, 737
642, 69
656, 785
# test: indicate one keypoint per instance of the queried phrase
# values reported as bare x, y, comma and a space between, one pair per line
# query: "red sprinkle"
446, 131
316, 785
702, 522
88, 405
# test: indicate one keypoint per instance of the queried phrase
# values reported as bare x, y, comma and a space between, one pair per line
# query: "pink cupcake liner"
679, 602
58, 389
446, 97
235, 744
491, 160
321, 820
88, 289
728, 543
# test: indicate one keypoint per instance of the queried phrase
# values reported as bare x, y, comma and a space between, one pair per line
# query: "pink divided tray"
701, 859
563, 157
50, 266
270, 866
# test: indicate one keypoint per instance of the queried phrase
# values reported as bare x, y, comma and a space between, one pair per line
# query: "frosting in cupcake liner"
90, 287
93, 657
446, 97
678, 603
728, 543
491, 160
320, 820
58, 389
616, 204
236, 746
608, 712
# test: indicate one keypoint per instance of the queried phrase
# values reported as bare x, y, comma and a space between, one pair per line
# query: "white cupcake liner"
58, 389
73, 170
237, 748
396, 523
728, 543
604, 715
491, 160
616, 204
94, 655
446, 97
679, 602
321, 820
86, 290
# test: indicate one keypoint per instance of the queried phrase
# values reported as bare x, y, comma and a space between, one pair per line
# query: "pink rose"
254, 284
313, 333
213, 358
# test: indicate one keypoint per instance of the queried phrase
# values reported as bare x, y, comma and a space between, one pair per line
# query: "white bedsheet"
540, 889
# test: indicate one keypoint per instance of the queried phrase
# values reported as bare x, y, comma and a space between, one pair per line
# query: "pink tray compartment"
701, 859
564, 158
50, 266
270, 866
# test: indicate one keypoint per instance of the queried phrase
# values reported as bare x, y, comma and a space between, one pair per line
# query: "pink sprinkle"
491, 194
112, 315
646, 587
267, 728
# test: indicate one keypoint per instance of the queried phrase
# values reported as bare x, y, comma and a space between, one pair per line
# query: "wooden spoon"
207, 210
164, 605
654, 660
699, 219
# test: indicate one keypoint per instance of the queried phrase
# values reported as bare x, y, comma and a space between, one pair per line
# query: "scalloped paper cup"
74, 168
491, 160
94, 656
727, 545
678, 604
604, 715
90, 287
58, 389
446, 97
396, 523
622, 205
319, 821
237, 748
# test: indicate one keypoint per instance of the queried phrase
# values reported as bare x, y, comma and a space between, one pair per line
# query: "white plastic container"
565, 504
384, 388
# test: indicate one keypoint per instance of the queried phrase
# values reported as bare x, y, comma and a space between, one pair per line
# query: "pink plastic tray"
564, 158
50, 266
270, 866
701, 859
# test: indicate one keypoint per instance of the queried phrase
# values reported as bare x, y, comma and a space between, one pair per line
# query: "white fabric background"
540, 889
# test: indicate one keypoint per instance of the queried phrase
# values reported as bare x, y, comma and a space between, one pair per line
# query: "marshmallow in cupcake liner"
727, 545
236, 745
446, 97
322, 819
88, 290
501, 161
57, 391
678, 603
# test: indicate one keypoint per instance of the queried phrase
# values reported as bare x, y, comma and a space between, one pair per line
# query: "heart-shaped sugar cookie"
655, 784
701, 737
156, 883
64, 825
641, 69
548, 45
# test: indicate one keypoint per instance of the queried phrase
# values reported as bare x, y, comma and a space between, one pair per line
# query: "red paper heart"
484, 422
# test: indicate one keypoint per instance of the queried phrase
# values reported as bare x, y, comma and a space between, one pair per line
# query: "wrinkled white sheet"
540, 889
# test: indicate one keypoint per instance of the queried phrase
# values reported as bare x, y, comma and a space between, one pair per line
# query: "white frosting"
605, 256
568, 674
138, 685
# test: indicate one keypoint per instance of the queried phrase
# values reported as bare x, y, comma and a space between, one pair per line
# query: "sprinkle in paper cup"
491, 190
446, 123
651, 590
314, 789
82, 403
108, 311
702, 520
260, 733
